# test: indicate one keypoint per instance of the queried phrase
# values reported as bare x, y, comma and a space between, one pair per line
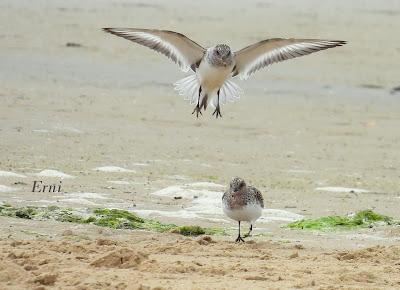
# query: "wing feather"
258, 195
254, 57
183, 51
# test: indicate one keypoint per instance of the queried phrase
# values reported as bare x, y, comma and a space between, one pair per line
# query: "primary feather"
177, 47
256, 56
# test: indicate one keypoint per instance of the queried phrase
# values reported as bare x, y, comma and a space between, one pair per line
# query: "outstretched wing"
256, 56
177, 47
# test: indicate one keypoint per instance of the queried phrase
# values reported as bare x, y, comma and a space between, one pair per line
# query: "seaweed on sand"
361, 219
105, 217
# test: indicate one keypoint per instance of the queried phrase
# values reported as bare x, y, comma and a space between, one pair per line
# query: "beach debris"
73, 44
20, 183
371, 86
395, 90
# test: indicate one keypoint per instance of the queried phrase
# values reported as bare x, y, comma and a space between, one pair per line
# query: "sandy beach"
318, 135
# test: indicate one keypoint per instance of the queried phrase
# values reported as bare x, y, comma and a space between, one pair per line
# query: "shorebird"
242, 203
214, 67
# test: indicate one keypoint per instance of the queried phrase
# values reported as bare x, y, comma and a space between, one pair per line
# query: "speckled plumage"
242, 203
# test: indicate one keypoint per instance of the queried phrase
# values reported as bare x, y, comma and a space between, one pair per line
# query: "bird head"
237, 184
221, 55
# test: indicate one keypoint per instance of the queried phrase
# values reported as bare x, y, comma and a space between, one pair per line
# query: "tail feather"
189, 88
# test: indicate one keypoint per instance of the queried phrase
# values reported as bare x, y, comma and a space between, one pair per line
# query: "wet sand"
317, 135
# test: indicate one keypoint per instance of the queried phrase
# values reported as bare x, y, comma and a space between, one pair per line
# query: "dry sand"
327, 120
88, 258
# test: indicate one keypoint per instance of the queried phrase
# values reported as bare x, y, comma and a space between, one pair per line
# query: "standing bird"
242, 203
214, 67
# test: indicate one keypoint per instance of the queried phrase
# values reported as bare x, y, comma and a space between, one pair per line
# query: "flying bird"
213, 68
242, 203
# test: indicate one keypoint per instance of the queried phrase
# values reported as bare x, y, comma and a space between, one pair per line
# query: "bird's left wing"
177, 47
256, 56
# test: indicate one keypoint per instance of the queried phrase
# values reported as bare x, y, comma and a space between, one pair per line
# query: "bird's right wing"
177, 47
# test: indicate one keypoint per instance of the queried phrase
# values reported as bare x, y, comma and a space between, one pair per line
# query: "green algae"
362, 219
26, 213
122, 219
215, 231
117, 214
191, 230
42, 213
104, 217
212, 177
158, 226
369, 216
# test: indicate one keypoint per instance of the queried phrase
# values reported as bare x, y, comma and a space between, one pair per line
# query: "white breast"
248, 213
212, 78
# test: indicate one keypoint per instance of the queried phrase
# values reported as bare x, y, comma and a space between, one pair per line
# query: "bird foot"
217, 112
247, 235
197, 110
239, 239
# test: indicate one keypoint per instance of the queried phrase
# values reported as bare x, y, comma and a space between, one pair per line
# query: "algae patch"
42, 213
122, 219
111, 218
361, 219
191, 230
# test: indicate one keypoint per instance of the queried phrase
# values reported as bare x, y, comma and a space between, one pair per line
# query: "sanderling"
242, 203
214, 67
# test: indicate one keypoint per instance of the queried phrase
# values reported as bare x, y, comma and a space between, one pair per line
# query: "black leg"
217, 111
197, 109
249, 233
239, 238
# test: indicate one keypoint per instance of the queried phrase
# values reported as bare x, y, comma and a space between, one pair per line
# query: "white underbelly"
249, 213
212, 78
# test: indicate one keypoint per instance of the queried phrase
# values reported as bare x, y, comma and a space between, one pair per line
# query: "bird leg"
239, 238
217, 111
249, 233
197, 109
